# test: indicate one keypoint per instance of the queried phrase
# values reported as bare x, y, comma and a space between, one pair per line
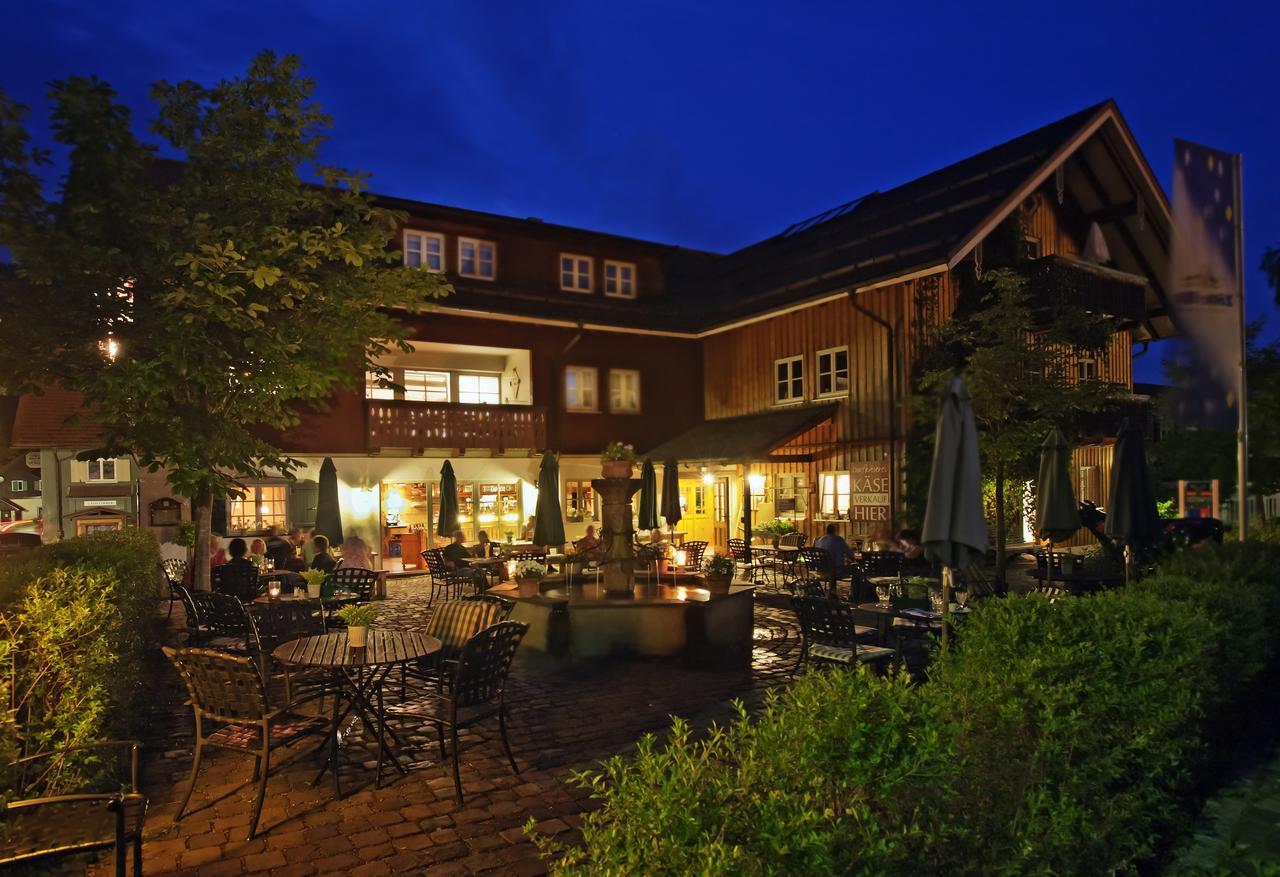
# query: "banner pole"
1242, 404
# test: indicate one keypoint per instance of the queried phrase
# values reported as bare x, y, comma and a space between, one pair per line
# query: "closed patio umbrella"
648, 496
549, 528
328, 513
447, 517
1057, 514
1131, 507
955, 532
671, 494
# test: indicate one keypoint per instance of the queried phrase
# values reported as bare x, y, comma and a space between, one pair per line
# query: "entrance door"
698, 521
720, 510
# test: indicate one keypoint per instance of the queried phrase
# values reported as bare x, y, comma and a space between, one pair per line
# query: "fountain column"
617, 533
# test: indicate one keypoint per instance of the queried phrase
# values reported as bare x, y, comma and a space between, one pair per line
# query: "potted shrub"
718, 571
776, 529
617, 460
529, 575
358, 617
314, 579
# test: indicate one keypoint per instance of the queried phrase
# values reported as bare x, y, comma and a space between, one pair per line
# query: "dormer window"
575, 273
424, 249
620, 279
477, 258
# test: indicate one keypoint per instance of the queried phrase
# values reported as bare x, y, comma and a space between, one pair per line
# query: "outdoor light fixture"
757, 483
707, 477
109, 347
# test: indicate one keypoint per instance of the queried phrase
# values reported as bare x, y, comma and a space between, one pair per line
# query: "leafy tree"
1018, 355
1271, 267
196, 303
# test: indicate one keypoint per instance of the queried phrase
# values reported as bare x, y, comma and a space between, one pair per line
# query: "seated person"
456, 556
238, 551
356, 554
882, 541
909, 545
217, 554
484, 547
258, 548
322, 559
279, 550
837, 550
530, 527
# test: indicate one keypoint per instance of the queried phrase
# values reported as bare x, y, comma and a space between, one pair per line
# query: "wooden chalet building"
786, 363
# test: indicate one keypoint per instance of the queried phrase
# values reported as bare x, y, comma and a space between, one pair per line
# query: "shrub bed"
76, 620
1061, 738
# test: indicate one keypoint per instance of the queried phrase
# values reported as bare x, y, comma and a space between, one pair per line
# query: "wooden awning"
751, 438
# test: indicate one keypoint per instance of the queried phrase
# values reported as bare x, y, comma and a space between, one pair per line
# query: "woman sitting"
356, 554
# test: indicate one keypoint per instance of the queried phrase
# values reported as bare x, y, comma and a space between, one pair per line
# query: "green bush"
78, 617
1056, 738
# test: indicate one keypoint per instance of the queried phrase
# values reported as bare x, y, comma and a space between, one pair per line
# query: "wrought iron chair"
360, 581
829, 634
477, 691
240, 580
220, 621
873, 564
275, 623
175, 573
36, 827
439, 571
232, 711
502, 604
814, 565
454, 623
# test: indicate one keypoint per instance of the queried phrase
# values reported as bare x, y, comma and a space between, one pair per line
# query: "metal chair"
438, 570
477, 691
36, 828
220, 620
232, 711
814, 565
240, 580
360, 581
175, 573
454, 623
829, 634
501, 604
278, 622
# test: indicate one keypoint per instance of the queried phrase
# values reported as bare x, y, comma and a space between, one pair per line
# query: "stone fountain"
616, 532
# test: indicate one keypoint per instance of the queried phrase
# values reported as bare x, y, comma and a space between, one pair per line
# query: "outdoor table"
492, 567
779, 561
1081, 582
360, 673
887, 613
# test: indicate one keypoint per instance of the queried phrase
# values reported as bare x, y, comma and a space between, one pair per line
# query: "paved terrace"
562, 720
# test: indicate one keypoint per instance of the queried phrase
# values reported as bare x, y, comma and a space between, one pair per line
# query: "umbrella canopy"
954, 529
1131, 509
1057, 514
648, 496
549, 528
447, 519
328, 513
671, 493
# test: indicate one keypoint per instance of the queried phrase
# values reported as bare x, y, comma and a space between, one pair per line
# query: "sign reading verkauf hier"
869, 493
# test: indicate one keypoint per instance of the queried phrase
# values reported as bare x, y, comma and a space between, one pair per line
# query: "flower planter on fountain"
717, 570
529, 575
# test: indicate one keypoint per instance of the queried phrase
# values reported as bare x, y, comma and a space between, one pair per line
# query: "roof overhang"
751, 438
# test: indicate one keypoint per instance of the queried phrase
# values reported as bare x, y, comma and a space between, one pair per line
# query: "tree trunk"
1001, 534
202, 512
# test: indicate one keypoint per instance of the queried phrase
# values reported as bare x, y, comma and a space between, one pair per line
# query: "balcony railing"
417, 425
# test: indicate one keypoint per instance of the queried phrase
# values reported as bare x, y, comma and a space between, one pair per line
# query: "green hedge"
76, 620
1061, 738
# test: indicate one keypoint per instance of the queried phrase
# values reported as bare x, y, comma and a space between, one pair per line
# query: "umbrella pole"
946, 604
1048, 573
1128, 563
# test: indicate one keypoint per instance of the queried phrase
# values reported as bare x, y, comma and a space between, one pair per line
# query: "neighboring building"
786, 363
20, 489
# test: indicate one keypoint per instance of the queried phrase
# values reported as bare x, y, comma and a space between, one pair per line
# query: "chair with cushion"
454, 623
175, 573
233, 712
240, 580
502, 605
830, 636
476, 692
37, 827
359, 581
220, 622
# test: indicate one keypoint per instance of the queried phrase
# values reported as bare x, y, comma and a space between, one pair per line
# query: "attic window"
1032, 247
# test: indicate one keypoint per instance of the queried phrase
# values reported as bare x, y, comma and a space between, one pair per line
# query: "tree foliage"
234, 289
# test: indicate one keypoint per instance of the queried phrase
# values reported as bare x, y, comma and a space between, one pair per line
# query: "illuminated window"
580, 501
1032, 247
624, 390
425, 386
833, 494
262, 506
580, 388
700, 499
373, 390
620, 279
476, 258
575, 273
789, 379
790, 496
424, 249
102, 470
1086, 369
833, 372
479, 389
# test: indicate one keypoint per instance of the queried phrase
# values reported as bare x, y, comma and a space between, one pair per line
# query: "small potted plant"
777, 528
358, 617
314, 579
529, 575
718, 571
617, 460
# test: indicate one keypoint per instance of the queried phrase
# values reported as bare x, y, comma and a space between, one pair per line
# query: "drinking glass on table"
883, 593
962, 597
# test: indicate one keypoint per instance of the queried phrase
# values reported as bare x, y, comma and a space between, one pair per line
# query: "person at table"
882, 540
356, 554
322, 559
457, 557
909, 545
258, 548
279, 550
217, 554
837, 550
483, 547
239, 552
530, 527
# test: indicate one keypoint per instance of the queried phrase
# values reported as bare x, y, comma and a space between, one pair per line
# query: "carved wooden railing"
401, 424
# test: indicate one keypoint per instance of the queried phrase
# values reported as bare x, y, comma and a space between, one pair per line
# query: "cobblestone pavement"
562, 718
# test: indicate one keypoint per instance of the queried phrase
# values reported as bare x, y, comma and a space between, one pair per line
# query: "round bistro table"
360, 673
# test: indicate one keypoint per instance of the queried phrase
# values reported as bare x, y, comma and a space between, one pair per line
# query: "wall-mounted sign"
869, 493
96, 503
165, 512
33, 459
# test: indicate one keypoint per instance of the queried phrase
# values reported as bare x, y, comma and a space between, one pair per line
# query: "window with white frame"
17, 485
575, 272
832, 372
477, 258
580, 501
424, 249
373, 388
102, 470
262, 506
426, 386
790, 495
477, 389
789, 379
580, 388
1086, 369
833, 495
624, 390
620, 279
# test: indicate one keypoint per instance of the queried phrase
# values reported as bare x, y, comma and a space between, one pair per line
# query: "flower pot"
718, 584
616, 468
357, 637
529, 587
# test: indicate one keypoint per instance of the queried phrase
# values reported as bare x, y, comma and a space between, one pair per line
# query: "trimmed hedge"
1057, 738
76, 621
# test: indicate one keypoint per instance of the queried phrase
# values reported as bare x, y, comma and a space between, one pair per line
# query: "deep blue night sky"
707, 125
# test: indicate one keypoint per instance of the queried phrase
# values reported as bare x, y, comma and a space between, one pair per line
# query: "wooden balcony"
417, 425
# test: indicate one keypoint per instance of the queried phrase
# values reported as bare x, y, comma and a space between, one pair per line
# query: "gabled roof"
744, 439
45, 421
